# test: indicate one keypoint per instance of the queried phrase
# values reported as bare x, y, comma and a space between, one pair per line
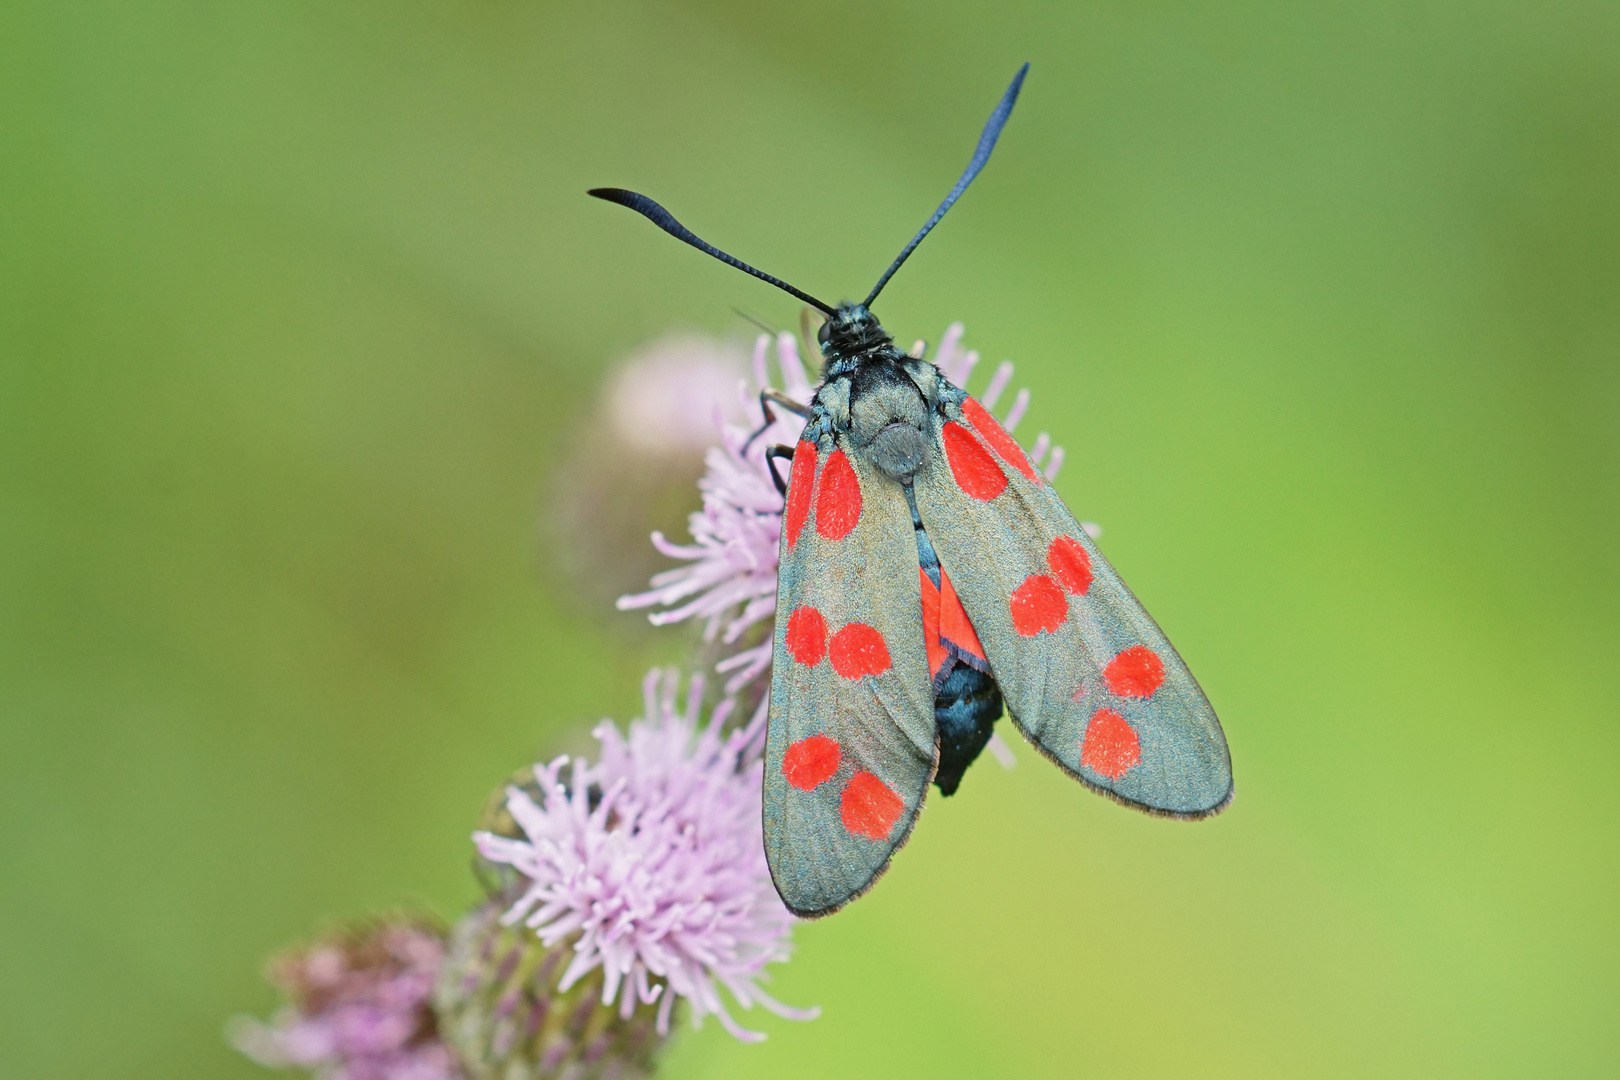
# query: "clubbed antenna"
666, 221
987, 143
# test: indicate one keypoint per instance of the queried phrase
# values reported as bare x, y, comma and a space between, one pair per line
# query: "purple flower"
670, 396
729, 579
729, 576
651, 862
359, 1008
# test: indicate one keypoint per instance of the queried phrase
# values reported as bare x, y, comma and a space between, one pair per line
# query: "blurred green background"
302, 307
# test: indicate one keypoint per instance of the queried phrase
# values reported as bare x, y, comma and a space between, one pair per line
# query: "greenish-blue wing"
850, 748
1087, 675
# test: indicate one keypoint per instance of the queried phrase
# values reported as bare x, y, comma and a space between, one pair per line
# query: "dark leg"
771, 454
766, 396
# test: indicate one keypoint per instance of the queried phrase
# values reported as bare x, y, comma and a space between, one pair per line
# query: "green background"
302, 309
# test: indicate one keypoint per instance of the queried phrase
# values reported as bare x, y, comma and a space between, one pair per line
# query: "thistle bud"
357, 1008
502, 1011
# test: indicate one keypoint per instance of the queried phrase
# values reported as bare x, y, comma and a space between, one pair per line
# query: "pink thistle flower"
652, 863
360, 1008
729, 572
669, 397
729, 576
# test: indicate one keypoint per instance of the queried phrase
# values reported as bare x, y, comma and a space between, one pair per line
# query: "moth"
930, 577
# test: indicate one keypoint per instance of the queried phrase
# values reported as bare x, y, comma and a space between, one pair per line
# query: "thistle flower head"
650, 864
670, 396
728, 576
358, 1007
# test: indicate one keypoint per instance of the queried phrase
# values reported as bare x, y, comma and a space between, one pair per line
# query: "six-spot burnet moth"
928, 574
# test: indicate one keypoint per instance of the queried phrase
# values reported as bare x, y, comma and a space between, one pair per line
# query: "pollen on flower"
652, 859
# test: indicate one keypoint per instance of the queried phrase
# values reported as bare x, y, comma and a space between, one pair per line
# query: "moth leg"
771, 454
766, 397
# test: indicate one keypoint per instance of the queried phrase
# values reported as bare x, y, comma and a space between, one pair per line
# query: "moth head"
851, 330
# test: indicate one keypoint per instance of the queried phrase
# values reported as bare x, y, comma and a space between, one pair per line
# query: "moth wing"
1087, 675
850, 748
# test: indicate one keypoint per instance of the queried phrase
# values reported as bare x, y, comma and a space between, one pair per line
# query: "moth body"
885, 404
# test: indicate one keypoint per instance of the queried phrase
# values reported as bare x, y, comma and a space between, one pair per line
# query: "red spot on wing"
997, 437
809, 762
1111, 748
954, 626
801, 479
1136, 672
975, 470
806, 636
838, 500
858, 650
1070, 564
1038, 604
930, 616
869, 807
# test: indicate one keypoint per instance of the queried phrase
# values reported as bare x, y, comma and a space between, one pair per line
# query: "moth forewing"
1087, 675
850, 743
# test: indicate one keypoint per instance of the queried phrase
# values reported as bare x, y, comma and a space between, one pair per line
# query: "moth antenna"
981, 154
741, 314
666, 221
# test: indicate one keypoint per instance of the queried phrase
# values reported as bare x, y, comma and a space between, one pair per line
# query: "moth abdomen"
966, 708
967, 701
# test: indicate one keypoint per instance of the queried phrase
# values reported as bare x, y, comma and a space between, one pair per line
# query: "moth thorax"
888, 419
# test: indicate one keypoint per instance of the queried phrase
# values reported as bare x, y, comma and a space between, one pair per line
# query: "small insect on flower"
929, 574
649, 864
